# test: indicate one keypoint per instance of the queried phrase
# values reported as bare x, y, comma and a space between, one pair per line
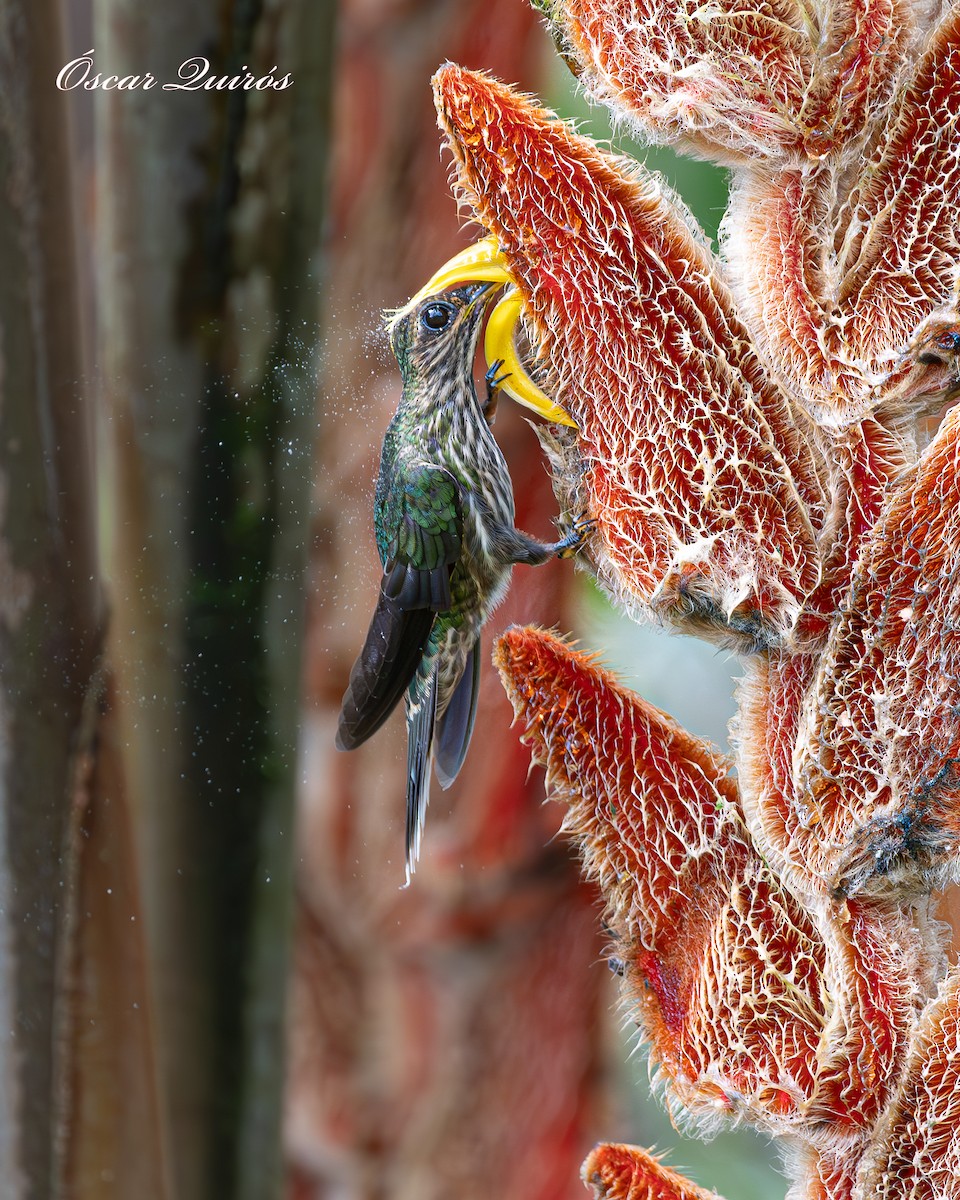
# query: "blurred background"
214, 983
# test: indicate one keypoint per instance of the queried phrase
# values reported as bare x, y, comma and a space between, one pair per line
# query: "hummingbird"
444, 520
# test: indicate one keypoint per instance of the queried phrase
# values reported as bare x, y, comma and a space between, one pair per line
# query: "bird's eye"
436, 317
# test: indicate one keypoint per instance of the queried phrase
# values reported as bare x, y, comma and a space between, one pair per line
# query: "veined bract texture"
763, 446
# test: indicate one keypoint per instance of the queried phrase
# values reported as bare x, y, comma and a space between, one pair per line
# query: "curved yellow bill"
483, 262
499, 345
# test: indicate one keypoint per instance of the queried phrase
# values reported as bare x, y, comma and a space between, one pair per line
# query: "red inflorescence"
762, 447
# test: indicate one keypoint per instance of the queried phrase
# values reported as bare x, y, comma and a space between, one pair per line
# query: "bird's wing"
456, 725
422, 516
423, 527
388, 661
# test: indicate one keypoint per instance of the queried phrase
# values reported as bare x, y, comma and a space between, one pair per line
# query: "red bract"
734, 983
757, 443
734, 82
877, 760
627, 1173
703, 483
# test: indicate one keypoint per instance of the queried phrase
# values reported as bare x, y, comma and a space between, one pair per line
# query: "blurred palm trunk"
445, 1040
210, 287
208, 226
50, 601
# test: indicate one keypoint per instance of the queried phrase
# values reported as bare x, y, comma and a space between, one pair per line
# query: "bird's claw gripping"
572, 542
494, 381
483, 262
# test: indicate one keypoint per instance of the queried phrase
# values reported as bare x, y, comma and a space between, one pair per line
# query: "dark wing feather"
455, 727
421, 530
388, 661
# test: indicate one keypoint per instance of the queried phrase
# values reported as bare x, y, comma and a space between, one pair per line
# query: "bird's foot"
494, 381
572, 542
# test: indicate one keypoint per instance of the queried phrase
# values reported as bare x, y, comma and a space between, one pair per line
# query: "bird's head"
436, 335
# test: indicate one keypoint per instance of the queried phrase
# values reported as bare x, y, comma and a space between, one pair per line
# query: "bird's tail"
455, 724
421, 720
